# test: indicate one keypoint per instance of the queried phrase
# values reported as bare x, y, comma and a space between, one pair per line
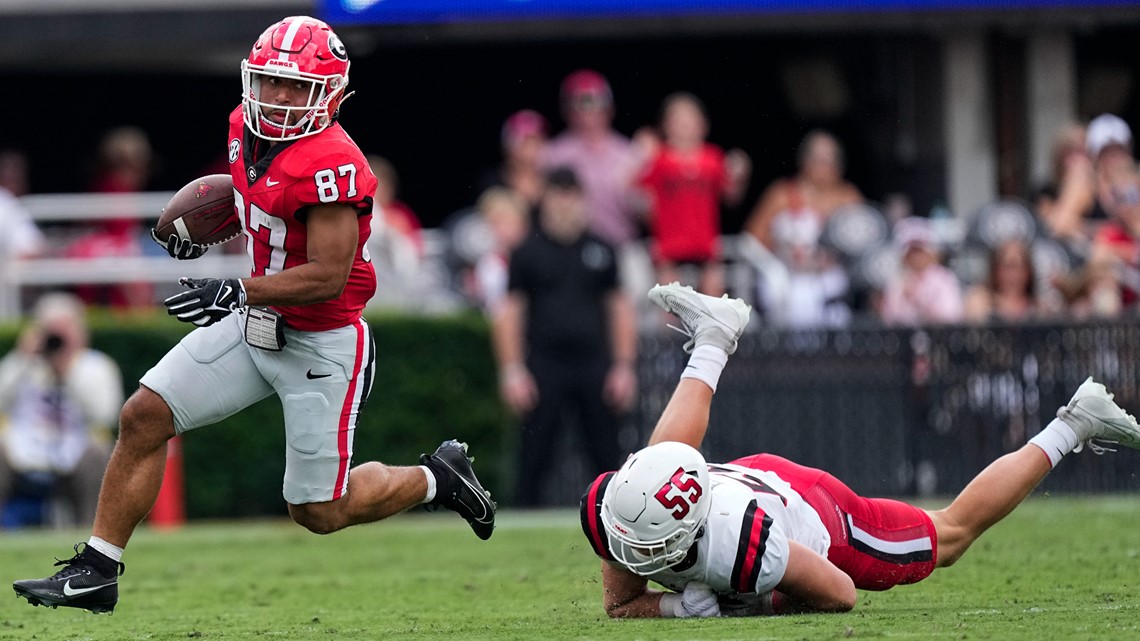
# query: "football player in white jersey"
763, 535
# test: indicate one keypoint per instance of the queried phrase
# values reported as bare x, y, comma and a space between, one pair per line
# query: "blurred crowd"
816, 252
813, 250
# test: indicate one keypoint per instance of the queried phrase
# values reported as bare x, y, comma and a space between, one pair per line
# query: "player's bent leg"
990, 497
134, 473
375, 491
686, 417
879, 543
1091, 415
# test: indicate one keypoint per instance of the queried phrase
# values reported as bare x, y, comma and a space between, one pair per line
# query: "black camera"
52, 344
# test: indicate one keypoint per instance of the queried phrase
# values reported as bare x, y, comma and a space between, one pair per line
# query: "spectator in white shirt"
60, 399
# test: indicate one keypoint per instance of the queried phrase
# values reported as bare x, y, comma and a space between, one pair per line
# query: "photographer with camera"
59, 400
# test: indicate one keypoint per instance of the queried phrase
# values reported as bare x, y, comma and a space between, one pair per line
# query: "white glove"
698, 600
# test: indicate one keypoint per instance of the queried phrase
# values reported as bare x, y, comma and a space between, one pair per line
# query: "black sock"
440, 480
103, 563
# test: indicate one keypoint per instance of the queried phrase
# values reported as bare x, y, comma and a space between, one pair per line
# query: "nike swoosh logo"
269, 182
311, 376
70, 591
484, 502
226, 293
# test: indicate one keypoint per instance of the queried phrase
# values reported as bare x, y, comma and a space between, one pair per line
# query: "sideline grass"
1056, 569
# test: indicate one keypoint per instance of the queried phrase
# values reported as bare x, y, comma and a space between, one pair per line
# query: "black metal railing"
907, 411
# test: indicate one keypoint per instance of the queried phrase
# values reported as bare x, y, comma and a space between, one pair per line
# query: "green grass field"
1056, 569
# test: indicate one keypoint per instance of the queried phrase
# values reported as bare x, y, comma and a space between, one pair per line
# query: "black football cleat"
458, 490
80, 584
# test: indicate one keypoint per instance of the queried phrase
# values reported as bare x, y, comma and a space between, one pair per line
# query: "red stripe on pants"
346, 415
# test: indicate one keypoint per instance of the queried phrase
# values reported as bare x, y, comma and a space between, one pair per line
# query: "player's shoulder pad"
591, 512
327, 151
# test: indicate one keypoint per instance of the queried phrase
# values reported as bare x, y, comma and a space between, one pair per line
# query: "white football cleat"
707, 319
1094, 415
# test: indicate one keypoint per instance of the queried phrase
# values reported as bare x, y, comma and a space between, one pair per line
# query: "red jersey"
1116, 236
274, 191
686, 191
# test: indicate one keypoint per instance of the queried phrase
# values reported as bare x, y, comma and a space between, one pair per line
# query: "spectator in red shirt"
395, 214
124, 167
1113, 276
685, 180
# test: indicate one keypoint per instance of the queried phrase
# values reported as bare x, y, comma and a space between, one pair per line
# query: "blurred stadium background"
944, 100
948, 106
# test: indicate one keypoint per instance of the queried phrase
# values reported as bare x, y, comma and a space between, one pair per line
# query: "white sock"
705, 364
1056, 440
430, 483
113, 552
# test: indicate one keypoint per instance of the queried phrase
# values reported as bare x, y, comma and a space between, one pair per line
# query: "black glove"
180, 248
208, 301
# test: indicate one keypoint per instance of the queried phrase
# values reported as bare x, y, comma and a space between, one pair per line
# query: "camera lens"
53, 343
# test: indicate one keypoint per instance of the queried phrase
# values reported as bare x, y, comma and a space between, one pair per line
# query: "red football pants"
879, 543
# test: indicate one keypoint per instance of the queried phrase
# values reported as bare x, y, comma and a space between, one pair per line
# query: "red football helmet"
298, 49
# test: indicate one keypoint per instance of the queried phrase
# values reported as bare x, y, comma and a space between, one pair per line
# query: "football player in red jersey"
763, 535
303, 192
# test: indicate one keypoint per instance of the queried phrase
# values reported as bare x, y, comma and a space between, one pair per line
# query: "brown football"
202, 211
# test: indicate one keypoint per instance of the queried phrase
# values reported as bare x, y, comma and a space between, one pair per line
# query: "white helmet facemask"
655, 507
301, 120
304, 53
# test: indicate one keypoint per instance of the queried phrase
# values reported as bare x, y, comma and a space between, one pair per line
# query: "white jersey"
744, 548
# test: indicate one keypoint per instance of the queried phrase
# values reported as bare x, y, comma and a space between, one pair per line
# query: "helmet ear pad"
656, 505
298, 48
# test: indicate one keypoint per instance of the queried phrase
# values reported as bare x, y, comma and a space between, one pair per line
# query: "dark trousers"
79, 488
567, 391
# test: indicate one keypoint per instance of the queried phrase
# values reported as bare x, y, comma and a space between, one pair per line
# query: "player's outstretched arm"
813, 584
331, 246
627, 596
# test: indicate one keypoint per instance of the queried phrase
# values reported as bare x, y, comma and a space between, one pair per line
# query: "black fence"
907, 412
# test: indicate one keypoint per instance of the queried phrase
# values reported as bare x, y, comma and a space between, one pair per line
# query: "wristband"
671, 606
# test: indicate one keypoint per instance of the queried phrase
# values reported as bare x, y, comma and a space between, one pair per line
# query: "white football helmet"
655, 507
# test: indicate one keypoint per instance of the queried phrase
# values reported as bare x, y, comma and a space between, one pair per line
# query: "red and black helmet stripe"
591, 508
750, 549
